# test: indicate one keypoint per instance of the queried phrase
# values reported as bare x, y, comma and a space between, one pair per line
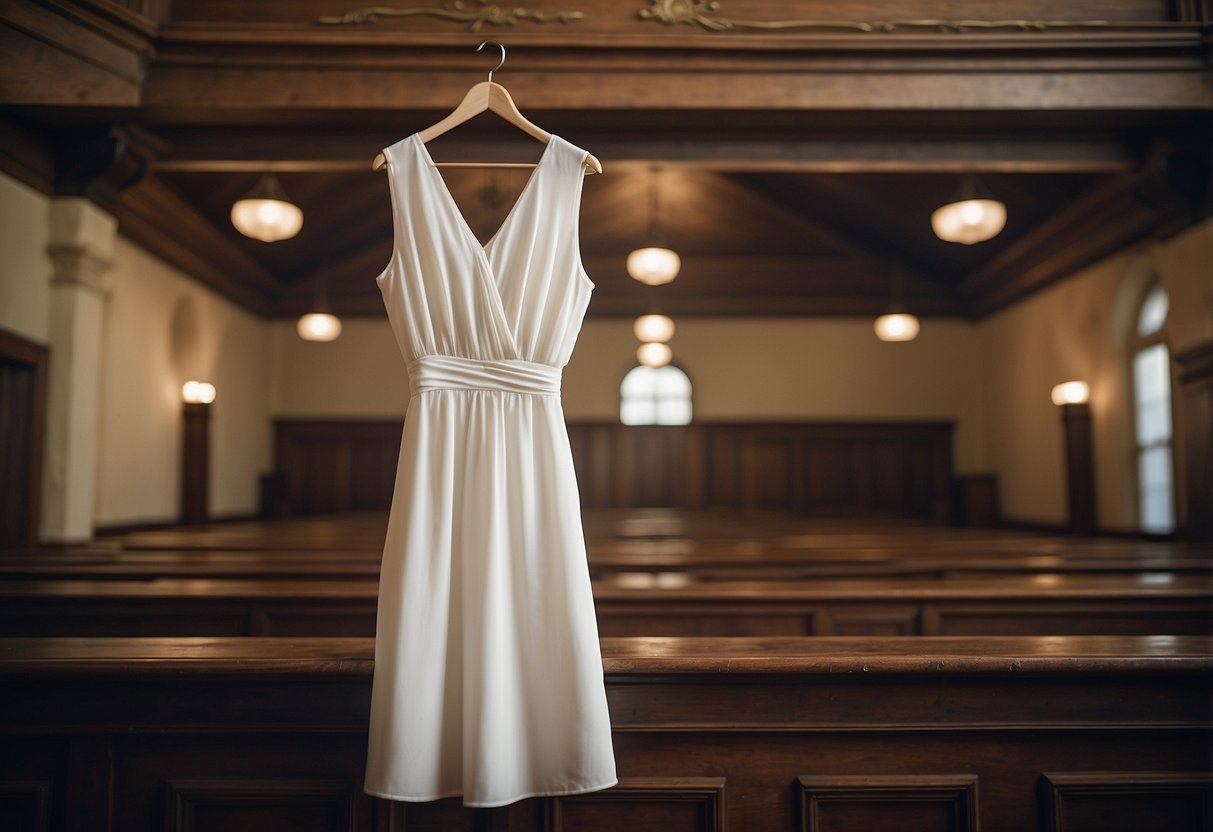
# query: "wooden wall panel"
1126, 801
834, 469
908, 803
303, 805
674, 804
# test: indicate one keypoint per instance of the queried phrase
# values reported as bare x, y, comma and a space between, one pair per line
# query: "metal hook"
500, 63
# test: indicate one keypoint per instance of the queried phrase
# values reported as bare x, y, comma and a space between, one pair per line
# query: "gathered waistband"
448, 372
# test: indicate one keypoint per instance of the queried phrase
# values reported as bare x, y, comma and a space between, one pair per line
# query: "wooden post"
195, 453
1196, 410
1080, 467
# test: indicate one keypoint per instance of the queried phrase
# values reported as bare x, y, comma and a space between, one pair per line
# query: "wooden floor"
763, 673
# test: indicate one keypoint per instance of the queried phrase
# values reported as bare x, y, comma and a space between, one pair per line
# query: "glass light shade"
319, 326
654, 354
266, 214
654, 265
1071, 392
969, 221
198, 392
897, 327
654, 328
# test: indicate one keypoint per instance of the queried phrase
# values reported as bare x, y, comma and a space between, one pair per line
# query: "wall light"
1071, 392
198, 392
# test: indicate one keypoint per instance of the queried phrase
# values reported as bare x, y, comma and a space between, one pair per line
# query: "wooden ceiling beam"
211, 151
154, 216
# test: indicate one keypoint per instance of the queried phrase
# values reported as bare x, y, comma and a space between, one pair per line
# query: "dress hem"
493, 804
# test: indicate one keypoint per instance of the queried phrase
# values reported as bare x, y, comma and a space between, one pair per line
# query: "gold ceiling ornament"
702, 13
457, 11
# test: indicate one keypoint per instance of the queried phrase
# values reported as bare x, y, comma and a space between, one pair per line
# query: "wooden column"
1196, 410
195, 454
1080, 467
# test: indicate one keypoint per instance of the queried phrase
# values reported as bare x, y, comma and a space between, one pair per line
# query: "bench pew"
1002, 734
1038, 605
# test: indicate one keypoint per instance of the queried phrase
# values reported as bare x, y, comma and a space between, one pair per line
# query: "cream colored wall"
161, 330
746, 369
25, 268
1081, 329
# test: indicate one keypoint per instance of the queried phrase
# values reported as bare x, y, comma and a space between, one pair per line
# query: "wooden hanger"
488, 95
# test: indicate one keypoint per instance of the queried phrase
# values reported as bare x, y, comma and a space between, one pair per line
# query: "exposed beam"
219, 151
154, 216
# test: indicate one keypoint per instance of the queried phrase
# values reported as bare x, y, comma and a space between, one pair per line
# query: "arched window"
1152, 409
655, 396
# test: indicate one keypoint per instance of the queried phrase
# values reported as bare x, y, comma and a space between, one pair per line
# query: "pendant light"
654, 264
654, 354
653, 327
896, 324
265, 213
973, 214
319, 325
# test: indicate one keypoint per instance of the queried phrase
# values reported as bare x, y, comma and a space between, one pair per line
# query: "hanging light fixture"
654, 354
319, 325
972, 216
896, 324
265, 213
654, 264
654, 327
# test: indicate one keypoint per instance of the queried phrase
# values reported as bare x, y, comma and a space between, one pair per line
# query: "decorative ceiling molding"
456, 10
701, 13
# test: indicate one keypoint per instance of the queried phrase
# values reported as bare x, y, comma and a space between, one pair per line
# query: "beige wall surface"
25, 268
1082, 329
161, 330
747, 369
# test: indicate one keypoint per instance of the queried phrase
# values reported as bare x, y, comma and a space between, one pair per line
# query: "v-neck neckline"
444, 189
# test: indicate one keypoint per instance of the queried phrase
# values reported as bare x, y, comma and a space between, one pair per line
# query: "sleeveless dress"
488, 677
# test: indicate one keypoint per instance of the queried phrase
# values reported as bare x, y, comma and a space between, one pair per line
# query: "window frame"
1137, 344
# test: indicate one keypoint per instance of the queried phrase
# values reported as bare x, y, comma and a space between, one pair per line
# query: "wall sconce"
198, 392
1072, 397
1071, 392
195, 450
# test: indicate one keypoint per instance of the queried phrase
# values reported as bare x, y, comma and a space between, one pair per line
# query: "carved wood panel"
908, 803
1120, 801
673, 804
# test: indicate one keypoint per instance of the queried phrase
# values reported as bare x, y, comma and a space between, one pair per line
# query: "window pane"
1154, 479
1152, 391
674, 412
1153, 311
660, 396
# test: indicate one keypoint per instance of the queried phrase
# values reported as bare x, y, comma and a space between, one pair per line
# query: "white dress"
488, 677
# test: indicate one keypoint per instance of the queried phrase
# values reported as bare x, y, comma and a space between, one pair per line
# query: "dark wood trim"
31, 360
1080, 467
195, 462
954, 794
1063, 792
1196, 405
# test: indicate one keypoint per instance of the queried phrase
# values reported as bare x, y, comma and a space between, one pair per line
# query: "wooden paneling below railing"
856, 469
749, 735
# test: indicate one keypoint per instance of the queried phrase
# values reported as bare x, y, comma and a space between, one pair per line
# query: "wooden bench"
1009, 734
1039, 605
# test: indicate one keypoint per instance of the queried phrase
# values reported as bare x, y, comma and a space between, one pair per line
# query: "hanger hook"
500, 63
